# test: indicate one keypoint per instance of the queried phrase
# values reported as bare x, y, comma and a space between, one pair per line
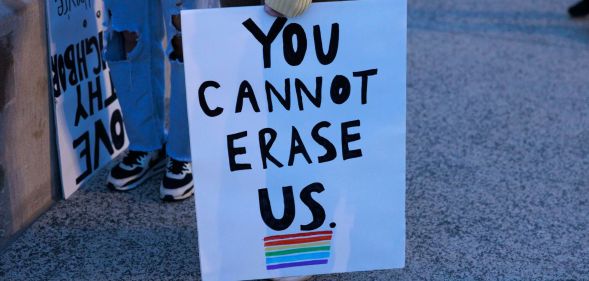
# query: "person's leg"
178, 145
178, 182
130, 48
157, 63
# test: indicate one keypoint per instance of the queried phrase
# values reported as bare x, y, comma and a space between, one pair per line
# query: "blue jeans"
138, 75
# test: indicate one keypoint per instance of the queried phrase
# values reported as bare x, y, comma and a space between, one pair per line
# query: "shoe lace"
176, 167
134, 157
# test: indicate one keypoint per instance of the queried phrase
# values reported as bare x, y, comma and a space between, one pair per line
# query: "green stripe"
296, 251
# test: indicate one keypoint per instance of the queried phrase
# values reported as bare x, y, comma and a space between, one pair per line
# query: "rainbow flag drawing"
299, 249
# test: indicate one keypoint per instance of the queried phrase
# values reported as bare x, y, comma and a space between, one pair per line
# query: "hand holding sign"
286, 8
297, 132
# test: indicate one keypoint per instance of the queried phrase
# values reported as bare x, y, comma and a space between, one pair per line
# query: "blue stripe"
301, 257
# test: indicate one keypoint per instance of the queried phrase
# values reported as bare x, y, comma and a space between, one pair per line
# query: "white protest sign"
88, 118
297, 130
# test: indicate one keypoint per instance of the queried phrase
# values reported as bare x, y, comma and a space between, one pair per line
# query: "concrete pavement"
498, 146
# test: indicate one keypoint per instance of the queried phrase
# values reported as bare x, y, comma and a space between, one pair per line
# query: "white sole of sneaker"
158, 168
176, 194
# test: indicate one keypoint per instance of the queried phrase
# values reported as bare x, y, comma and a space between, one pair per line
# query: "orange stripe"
277, 237
298, 241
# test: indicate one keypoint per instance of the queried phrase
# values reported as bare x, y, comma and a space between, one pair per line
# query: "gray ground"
498, 146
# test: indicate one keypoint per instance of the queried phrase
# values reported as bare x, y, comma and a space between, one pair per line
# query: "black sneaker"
136, 167
177, 184
580, 9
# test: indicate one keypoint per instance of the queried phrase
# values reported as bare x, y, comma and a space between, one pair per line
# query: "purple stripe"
294, 264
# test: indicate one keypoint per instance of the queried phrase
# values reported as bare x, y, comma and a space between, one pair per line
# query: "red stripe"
297, 241
277, 237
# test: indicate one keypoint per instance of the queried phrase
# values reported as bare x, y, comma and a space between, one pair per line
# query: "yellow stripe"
278, 248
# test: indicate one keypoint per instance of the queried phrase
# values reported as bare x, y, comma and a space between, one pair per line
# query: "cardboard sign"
297, 130
88, 118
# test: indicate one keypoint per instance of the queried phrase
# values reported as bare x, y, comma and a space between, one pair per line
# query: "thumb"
272, 12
